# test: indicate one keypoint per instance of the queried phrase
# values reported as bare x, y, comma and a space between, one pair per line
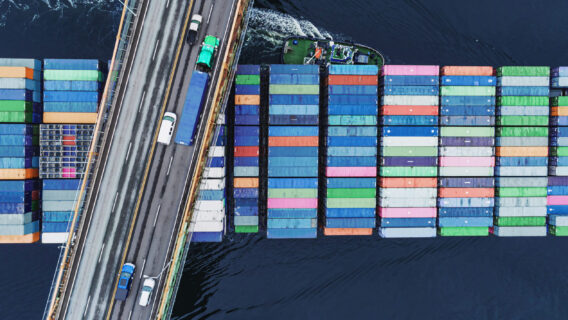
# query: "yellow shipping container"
16, 72
69, 117
18, 174
522, 151
28, 238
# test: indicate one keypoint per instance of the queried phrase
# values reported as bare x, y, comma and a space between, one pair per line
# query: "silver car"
146, 293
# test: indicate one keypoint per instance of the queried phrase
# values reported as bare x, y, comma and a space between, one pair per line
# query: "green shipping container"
351, 203
409, 171
293, 89
16, 106
293, 193
352, 193
521, 192
246, 229
560, 101
527, 101
409, 151
558, 231
468, 91
77, 75
464, 231
520, 221
247, 79
540, 121
523, 71
14, 117
467, 131
559, 151
522, 132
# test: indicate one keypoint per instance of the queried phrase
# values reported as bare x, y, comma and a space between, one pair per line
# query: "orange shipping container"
18, 174
466, 192
293, 141
246, 151
347, 231
16, 72
408, 182
69, 117
353, 80
247, 99
245, 183
521, 151
28, 238
559, 111
467, 71
410, 110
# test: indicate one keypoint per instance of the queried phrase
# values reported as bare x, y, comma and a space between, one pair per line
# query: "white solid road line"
155, 49
101, 254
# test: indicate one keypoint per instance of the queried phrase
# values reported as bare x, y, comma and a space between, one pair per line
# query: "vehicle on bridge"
146, 293
125, 281
194, 101
207, 52
167, 128
194, 28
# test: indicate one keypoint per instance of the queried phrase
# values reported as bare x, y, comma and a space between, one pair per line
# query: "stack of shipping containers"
409, 151
246, 149
72, 93
293, 141
209, 212
557, 193
20, 106
467, 155
351, 170
522, 151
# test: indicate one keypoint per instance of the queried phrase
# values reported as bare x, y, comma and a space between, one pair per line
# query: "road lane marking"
87, 306
101, 254
170, 166
210, 12
130, 315
142, 269
155, 49
128, 152
157, 213
114, 203
142, 101
168, 3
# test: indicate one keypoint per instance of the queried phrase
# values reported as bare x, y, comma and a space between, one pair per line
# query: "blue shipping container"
192, 107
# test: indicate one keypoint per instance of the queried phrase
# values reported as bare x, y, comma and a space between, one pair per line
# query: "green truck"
207, 52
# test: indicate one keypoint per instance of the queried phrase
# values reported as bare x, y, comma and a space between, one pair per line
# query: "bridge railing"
221, 96
115, 73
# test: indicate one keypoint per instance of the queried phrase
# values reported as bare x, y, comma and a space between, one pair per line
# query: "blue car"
125, 281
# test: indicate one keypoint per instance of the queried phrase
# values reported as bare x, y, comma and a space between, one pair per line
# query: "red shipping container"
246, 151
347, 231
466, 192
408, 182
293, 141
353, 80
69, 140
410, 110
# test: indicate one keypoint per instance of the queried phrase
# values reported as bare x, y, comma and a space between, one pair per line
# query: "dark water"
332, 278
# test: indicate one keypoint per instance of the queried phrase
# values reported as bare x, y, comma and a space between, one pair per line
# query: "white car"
146, 293
167, 128
193, 28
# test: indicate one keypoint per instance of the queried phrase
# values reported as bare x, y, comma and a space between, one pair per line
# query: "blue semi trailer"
194, 101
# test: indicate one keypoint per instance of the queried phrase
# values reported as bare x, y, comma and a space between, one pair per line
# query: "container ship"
307, 50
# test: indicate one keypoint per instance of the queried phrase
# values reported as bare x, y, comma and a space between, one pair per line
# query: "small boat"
306, 50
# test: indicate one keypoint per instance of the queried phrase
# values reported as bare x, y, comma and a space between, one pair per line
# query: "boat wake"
267, 30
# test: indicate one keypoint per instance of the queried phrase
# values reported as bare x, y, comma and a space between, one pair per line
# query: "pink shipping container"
407, 212
351, 171
292, 203
557, 200
467, 161
410, 70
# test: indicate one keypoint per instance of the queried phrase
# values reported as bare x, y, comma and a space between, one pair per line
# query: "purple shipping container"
410, 161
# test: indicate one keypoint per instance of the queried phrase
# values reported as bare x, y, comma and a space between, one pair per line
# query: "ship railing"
116, 71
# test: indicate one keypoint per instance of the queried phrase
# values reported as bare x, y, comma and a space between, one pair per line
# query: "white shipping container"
207, 226
410, 100
561, 221
467, 151
466, 171
408, 202
521, 211
562, 141
524, 110
212, 215
20, 83
212, 184
559, 171
425, 232
59, 195
209, 205
214, 172
521, 171
522, 81
522, 182
250, 221
54, 237
520, 202
408, 192
221, 119
16, 218
216, 151
409, 141
520, 231
562, 81
21, 62
522, 141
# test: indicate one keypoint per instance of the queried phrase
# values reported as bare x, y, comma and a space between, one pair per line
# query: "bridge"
136, 204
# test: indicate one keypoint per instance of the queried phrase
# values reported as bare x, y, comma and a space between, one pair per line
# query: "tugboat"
306, 50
